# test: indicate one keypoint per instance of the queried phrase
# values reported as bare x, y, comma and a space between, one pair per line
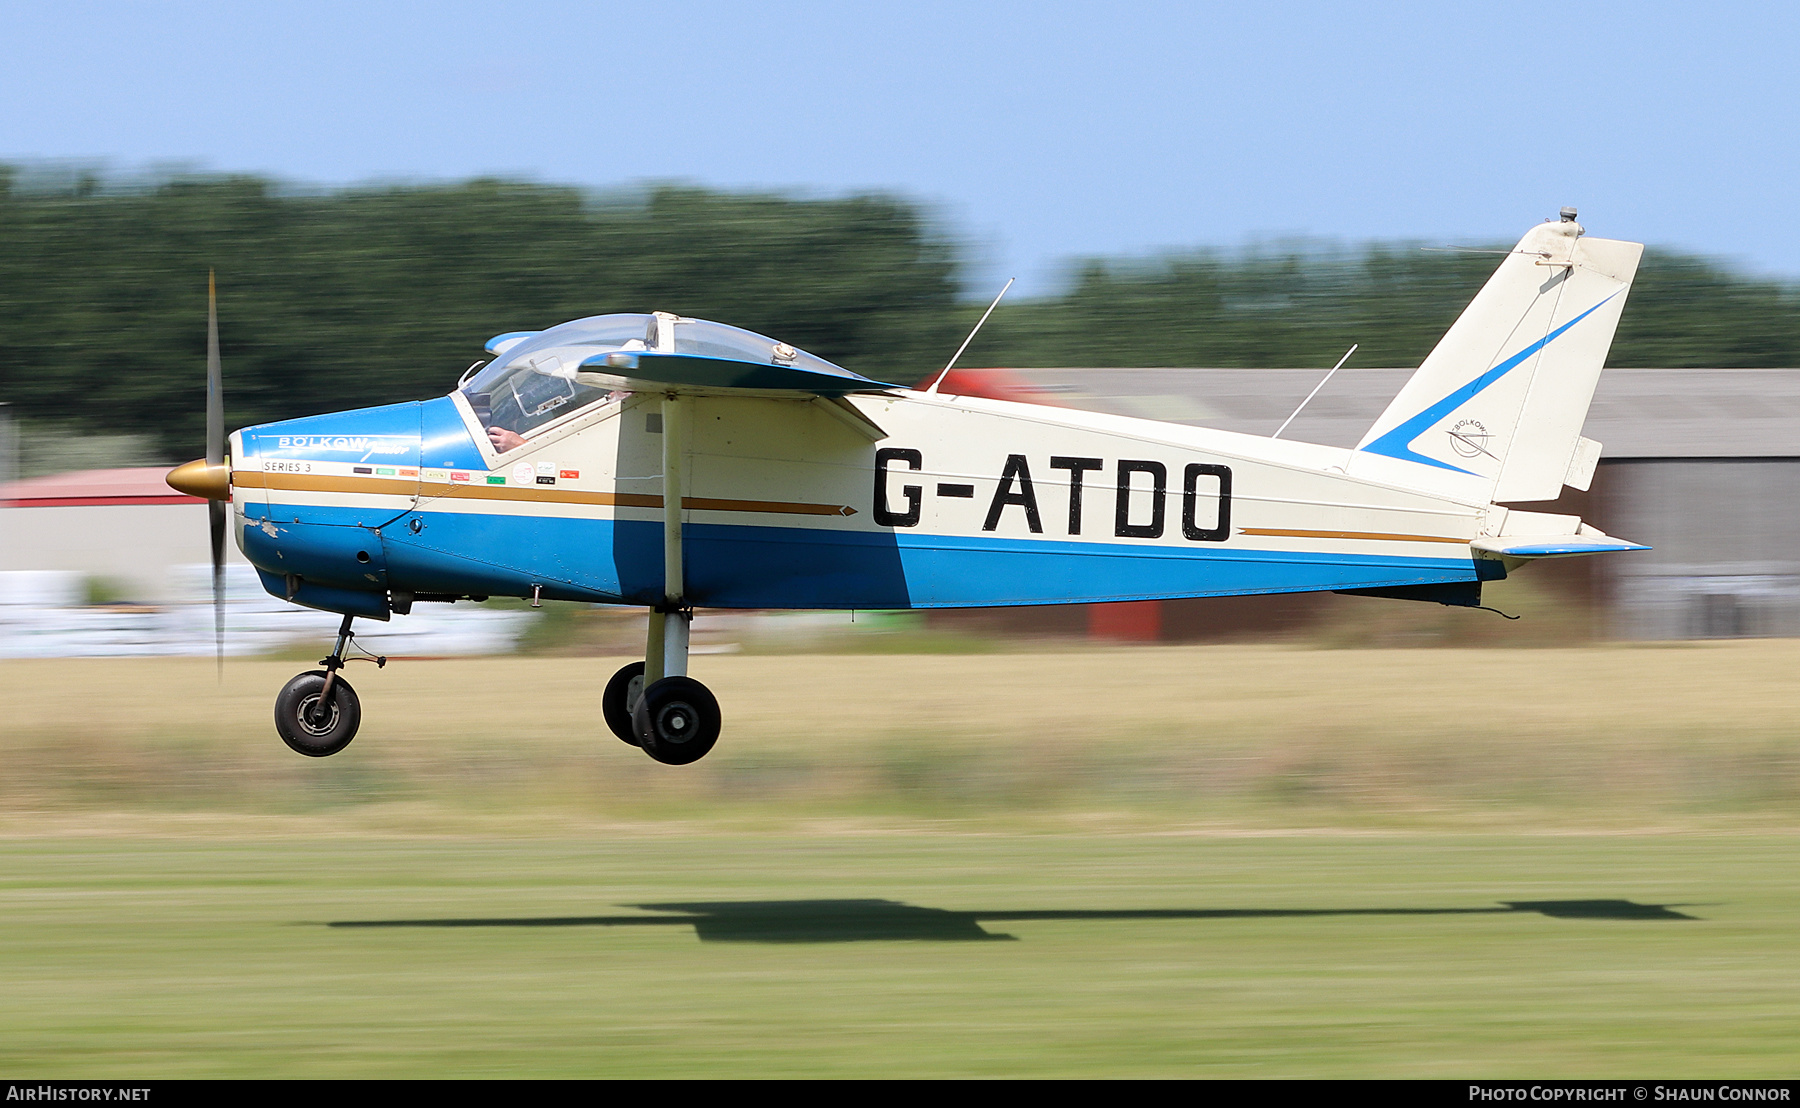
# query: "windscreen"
534, 383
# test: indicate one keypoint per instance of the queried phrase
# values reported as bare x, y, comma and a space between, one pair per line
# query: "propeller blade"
215, 510
215, 389
215, 455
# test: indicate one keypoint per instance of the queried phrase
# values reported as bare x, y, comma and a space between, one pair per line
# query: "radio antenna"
1315, 390
939, 379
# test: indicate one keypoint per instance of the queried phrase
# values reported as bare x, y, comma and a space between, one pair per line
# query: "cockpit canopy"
536, 376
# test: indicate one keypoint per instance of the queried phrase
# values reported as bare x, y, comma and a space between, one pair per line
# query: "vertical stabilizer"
1505, 393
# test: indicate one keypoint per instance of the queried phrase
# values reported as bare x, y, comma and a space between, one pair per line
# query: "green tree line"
366, 296
1304, 306
347, 297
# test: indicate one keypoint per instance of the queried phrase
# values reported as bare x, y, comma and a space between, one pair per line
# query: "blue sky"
1036, 131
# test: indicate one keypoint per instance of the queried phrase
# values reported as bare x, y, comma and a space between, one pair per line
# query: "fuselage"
882, 500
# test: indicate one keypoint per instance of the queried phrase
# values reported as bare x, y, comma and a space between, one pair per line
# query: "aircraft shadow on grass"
843, 921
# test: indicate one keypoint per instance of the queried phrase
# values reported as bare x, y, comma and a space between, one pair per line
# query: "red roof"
141, 485
993, 384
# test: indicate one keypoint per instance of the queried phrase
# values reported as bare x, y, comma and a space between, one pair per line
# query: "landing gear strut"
317, 713
654, 704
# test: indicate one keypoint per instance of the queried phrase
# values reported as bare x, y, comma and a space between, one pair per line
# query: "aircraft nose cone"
196, 478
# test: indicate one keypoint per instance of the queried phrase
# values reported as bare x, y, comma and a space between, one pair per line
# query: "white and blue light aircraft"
679, 464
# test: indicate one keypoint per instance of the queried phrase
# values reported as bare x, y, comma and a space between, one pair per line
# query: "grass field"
901, 954
1250, 861
1688, 735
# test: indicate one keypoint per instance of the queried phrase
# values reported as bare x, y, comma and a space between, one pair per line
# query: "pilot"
504, 439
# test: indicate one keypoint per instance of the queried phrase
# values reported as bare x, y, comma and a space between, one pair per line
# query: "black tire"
325, 738
616, 702
676, 721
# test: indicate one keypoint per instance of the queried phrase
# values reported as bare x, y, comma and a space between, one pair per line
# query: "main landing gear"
654, 704
673, 718
317, 713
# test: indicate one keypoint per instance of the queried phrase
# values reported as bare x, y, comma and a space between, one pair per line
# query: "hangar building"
1703, 465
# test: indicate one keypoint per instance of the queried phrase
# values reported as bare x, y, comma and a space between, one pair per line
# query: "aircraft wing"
649, 372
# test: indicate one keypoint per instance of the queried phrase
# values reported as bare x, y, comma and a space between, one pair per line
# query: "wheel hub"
675, 723
308, 708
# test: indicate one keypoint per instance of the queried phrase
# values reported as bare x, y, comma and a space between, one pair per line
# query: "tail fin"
1504, 394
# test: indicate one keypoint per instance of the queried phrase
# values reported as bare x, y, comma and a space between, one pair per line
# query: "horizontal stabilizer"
647, 371
1553, 546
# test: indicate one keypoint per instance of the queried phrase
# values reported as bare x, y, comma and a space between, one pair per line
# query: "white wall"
1725, 535
132, 545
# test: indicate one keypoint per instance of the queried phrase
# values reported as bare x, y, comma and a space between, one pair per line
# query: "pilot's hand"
505, 440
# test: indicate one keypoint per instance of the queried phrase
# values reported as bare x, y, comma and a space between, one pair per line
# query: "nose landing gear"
317, 713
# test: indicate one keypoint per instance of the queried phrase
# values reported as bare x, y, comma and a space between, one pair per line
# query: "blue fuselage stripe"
742, 566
